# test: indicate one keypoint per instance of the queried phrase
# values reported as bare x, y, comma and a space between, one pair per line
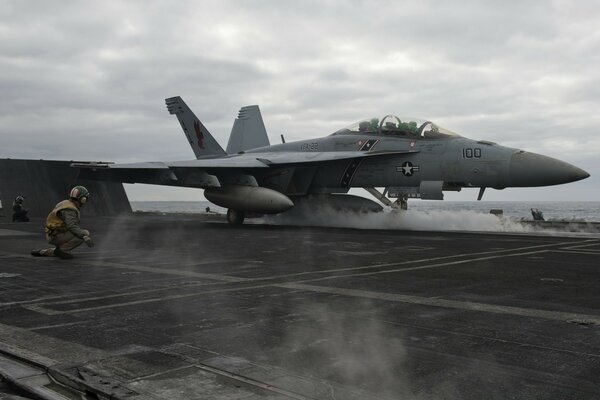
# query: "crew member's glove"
88, 241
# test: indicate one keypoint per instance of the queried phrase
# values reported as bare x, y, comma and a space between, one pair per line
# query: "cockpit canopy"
396, 126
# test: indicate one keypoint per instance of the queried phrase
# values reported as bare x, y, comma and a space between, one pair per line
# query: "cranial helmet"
79, 193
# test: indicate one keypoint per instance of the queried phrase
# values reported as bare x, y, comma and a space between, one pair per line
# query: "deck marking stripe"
372, 266
48, 311
578, 246
586, 252
389, 271
38, 328
111, 296
177, 272
226, 278
437, 302
40, 308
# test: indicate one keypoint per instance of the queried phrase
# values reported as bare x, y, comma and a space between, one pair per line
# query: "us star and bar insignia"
407, 168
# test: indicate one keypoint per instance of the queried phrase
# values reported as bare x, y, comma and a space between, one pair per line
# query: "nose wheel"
235, 217
401, 203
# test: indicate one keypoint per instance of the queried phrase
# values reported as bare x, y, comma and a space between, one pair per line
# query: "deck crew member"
19, 211
62, 226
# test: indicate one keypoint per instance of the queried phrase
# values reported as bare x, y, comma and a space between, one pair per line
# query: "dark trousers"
20, 216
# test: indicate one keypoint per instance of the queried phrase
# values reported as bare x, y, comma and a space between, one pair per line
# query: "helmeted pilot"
19, 211
62, 226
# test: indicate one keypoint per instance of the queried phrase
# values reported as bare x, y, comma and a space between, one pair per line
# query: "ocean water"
176, 206
514, 210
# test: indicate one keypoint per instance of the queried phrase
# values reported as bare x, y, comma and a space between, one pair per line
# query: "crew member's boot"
62, 254
51, 253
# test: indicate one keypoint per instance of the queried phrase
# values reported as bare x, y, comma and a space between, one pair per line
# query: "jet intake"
254, 199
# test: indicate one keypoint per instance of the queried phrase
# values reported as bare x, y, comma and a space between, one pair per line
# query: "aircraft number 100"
471, 153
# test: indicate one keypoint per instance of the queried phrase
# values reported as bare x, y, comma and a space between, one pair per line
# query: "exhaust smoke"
437, 220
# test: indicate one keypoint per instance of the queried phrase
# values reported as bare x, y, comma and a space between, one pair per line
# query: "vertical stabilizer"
248, 131
202, 142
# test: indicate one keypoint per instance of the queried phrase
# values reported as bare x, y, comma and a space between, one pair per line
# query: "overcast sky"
87, 80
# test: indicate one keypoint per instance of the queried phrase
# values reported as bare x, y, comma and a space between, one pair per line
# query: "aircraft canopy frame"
391, 125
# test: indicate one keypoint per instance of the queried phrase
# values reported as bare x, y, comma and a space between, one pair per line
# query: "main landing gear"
235, 217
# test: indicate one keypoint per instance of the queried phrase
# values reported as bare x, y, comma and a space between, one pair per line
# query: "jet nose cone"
530, 169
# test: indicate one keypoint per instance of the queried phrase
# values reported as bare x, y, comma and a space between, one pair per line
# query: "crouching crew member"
62, 226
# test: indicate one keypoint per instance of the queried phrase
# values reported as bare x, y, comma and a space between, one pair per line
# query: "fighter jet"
408, 157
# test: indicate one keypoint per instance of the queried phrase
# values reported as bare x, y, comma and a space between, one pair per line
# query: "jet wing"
246, 160
213, 172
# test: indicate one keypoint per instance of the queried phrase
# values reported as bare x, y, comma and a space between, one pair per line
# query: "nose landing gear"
401, 202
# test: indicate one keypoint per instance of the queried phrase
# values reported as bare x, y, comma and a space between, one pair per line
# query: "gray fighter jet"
408, 157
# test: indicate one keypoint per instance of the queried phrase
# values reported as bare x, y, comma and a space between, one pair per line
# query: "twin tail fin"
202, 142
248, 131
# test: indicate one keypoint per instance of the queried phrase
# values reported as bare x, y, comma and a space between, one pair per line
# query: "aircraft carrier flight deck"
184, 307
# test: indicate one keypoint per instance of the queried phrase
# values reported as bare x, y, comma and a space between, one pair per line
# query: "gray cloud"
87, 81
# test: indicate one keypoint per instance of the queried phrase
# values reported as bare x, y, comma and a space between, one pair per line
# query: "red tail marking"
199, 134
